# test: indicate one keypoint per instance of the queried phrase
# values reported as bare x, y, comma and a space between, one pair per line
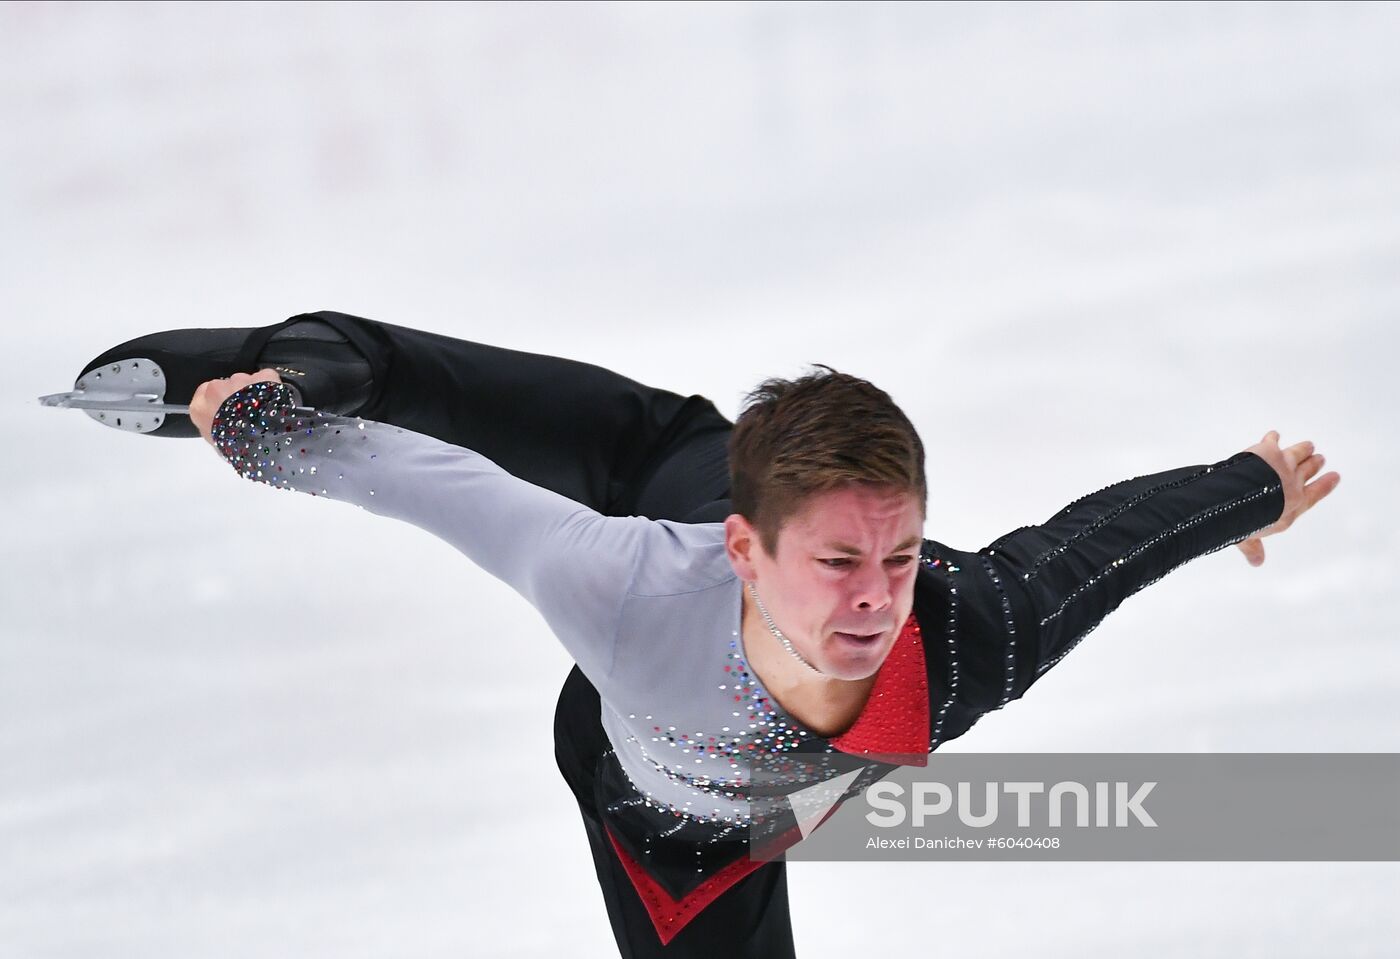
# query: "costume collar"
893, 727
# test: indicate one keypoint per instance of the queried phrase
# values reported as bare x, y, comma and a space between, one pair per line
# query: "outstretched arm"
1032, 595
571, 563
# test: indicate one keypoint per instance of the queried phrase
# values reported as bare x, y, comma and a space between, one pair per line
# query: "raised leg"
581, 430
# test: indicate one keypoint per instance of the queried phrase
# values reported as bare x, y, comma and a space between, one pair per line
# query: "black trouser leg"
588, 433
750, 920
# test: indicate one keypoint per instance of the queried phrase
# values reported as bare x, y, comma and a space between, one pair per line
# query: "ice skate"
145, 385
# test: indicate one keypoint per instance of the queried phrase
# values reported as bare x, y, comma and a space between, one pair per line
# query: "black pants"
624, 449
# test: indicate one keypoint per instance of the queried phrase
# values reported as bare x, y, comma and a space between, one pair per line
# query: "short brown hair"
817, 433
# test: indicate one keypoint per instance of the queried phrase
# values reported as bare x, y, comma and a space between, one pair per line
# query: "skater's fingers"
266, 374
207, 399
1319, 488
1253, 550
1298, 452
1309, 467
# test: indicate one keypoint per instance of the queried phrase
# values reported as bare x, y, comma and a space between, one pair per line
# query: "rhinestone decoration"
930, 559
1094, 625
1127, 504
1010, 657
1147, 544
258, 431
757, 727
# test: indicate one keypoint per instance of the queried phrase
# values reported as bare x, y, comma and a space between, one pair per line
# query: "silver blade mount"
135, 386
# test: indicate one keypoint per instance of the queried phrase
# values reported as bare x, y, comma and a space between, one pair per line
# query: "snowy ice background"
1077, 243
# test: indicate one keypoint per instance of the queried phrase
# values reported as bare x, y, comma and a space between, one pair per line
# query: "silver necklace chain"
773, 628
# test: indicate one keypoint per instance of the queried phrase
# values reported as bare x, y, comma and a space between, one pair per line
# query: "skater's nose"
871, 587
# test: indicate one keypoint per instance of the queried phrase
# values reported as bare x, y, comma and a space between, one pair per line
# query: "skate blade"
126, 387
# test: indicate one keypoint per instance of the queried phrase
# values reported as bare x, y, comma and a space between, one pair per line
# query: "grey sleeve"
570, 562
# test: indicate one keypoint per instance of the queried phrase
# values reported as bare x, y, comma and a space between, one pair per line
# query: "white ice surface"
1077, 243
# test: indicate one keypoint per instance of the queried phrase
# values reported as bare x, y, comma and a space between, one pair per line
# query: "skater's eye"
837, 563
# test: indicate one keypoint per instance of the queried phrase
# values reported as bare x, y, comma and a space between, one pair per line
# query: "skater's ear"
743, 546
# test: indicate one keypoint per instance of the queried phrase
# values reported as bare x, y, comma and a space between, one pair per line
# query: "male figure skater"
728, 592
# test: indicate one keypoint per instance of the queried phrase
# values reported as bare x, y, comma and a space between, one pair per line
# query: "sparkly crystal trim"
931, 560
1092, 626
1117, 511
1010, 623
1193, 520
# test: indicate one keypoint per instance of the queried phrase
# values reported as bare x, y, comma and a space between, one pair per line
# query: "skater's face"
842, 582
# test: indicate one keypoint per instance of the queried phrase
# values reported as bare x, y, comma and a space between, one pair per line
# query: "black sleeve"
1030, 596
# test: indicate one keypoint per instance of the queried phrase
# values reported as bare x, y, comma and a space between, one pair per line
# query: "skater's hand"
1295, 466
211, 395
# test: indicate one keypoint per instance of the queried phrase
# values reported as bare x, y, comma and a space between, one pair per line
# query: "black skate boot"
162, 370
